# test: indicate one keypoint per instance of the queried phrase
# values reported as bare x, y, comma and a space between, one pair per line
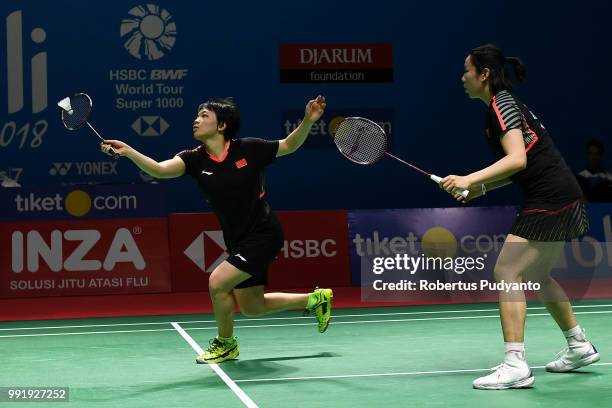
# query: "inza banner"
52, 258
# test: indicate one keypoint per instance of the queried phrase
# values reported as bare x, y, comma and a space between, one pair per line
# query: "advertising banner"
83, 202
51, 258
450, 254
315, 250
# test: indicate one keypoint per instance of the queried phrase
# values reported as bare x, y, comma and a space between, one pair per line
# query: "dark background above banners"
148, 67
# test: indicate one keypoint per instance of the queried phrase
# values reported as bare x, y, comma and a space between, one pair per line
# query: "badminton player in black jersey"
553, 212
230, 172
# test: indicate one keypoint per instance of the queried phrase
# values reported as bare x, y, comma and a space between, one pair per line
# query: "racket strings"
81, 107
360, 140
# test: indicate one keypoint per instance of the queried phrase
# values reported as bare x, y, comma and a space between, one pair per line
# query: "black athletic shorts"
567, 222
254, 253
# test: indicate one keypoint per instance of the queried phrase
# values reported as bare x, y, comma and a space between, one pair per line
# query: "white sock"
575, 336
514, 351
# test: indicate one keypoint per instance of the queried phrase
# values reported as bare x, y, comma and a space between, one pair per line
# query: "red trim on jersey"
499, 116
550, 212
220, 159
535, 136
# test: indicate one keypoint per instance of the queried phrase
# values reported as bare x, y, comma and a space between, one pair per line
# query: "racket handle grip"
114, 153
437, 180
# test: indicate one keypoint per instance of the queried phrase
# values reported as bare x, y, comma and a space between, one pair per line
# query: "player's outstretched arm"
314, 111
174, 167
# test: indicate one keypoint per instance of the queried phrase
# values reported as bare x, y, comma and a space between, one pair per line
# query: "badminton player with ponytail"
230, 173
553, 212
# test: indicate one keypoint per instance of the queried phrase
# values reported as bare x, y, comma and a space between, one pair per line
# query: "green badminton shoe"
219, 351
320, 303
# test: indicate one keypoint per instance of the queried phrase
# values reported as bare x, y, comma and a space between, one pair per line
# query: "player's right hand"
117, 146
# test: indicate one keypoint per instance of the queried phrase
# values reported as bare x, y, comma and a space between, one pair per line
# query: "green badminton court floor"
376, 357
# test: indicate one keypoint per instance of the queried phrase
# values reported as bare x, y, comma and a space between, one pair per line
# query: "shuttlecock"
65, 105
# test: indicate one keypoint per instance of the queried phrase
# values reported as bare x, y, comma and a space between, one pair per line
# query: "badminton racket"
364, 142
76, 110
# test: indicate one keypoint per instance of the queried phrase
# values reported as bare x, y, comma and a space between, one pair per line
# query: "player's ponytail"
491, 57
519, 68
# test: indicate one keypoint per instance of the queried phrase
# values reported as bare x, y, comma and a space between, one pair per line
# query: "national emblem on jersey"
241, 163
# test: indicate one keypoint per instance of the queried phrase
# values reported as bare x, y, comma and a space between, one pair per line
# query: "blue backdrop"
213, 49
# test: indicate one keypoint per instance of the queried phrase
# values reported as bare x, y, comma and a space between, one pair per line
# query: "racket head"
81, 105
361, 140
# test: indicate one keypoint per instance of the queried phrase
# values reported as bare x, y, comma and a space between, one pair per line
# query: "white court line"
215, 367
393, 320
290, 324
325, 377
277, 318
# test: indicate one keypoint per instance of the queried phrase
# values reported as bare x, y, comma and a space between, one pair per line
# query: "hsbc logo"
197, 252
104, 168
208, 250
150, 126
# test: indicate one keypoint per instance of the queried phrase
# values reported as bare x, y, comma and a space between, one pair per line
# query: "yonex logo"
60, 169
101, 168
149, 31
15, 70
150, 126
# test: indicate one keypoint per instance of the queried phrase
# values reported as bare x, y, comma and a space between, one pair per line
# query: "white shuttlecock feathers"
65, 105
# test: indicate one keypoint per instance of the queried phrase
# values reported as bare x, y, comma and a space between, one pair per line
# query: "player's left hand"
452, 183
314, 109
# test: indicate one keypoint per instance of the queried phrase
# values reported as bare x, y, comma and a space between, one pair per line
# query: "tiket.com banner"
315, 251
83, 202
84, 257
450, 255
322, 132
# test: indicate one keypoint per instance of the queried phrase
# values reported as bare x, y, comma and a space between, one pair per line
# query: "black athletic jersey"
233, 184
547, 182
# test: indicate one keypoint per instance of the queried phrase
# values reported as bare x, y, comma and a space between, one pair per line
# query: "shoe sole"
229, 356
330, 302
524, 383
326, 326
593, 358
